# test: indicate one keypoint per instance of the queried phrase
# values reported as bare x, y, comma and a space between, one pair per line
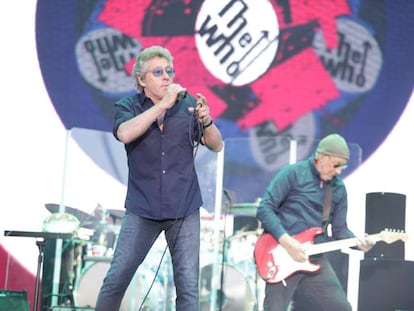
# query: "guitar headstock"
392, 235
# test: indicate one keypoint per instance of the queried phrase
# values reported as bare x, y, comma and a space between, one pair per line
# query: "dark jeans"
137, 235
322, 286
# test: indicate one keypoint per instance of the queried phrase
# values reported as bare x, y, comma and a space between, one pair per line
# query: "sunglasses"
159, 71
336, 165
339, 165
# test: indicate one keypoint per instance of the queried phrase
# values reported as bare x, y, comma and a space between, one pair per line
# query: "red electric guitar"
274, 264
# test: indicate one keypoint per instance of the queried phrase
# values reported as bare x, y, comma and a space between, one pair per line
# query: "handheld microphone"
181, 95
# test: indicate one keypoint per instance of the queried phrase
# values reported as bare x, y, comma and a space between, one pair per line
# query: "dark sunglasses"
338, 165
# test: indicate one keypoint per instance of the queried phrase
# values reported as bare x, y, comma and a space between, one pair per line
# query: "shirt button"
163, 171
162, 153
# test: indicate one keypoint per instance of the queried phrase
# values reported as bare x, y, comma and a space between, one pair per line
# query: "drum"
240, 256
88, 286
240, 252
234, 294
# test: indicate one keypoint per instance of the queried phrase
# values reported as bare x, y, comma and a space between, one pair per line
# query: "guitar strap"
327, 206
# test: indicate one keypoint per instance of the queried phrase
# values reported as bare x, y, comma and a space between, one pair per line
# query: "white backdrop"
33, 146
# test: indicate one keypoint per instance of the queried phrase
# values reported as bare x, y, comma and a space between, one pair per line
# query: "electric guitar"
274, 264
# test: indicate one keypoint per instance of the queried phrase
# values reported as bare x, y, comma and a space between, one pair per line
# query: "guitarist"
294, 202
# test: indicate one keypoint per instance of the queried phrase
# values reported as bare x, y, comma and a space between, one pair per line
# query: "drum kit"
87, 253
239, 286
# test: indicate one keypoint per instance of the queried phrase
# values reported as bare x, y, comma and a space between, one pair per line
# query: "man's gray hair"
141, 61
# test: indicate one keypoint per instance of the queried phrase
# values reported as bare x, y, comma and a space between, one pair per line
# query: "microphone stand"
224, 250
41, 245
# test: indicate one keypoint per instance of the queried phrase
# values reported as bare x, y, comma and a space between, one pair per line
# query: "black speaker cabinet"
386, 285
13, 300
385, 210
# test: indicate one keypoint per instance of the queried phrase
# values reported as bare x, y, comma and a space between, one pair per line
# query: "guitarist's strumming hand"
293, 247
365, 243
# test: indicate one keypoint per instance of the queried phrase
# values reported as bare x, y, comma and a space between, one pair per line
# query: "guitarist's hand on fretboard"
295, 249
365, 243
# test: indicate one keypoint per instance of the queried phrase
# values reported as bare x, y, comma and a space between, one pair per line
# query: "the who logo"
269, 69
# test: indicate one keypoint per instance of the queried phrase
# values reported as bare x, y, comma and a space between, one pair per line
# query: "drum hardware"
41, 244
80, 215
240, 256
245, 208
116, 215
90, 280
240, 287
207, 235
88, 286
102, 231
61, 222
101, 238
234, 294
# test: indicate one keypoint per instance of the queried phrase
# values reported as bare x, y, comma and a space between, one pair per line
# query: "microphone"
181, 95
227, 195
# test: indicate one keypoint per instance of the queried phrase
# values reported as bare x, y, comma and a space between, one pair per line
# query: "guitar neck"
337, 245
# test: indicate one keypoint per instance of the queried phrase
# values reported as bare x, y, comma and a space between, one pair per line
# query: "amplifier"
13, 300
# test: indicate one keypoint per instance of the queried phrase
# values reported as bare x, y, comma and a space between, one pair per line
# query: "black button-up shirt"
162, 181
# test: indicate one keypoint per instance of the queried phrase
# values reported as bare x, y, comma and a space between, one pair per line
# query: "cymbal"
101, 226
61, 222
244, 208
80, 215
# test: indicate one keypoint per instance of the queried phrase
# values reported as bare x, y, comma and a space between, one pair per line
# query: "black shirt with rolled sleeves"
162, 181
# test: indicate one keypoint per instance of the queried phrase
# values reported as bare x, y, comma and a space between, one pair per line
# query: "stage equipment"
41, 244
385, 210
13, 300
386, 285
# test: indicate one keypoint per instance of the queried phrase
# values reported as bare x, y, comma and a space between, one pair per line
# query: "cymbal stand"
41, 245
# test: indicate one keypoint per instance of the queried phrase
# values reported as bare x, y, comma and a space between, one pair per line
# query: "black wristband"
208, 124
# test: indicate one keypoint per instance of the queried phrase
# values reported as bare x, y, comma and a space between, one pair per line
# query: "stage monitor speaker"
13, 300
385, 210
386, 285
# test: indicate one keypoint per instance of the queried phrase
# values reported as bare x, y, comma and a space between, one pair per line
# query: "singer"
160, 126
